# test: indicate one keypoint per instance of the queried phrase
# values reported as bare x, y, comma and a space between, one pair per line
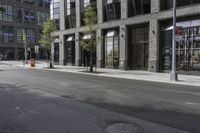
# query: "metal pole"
173, 74
25, 53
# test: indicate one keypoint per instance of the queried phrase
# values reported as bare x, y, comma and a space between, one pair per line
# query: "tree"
196, 57
46, 39
90, 20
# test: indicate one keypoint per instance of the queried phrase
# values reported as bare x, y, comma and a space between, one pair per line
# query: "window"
168, 4
44, 3
6, 34
29, 1
137, 7
29, 33
70, 6
42, 17
55, 9
29, 16
55, 12
70, 13
84, 4
187, 44
26, 1
111, 10
7, 13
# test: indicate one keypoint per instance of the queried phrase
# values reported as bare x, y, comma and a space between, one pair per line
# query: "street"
48, 101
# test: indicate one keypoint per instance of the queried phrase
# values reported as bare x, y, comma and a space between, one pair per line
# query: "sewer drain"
122, 128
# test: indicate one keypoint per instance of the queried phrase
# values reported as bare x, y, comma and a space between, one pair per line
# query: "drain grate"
122, 128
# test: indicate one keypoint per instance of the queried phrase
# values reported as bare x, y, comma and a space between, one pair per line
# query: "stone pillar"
62, 15
123, 48
99, 36
124, 9
154, 46
100, 11
78, 21
155, 6
77, 51
61, 50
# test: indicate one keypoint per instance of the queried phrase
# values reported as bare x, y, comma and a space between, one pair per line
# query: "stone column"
154, 46
62, 15
123, 47
77, 51
61, 50
78, 21
124, 9
155, 6
100, 11
99, 36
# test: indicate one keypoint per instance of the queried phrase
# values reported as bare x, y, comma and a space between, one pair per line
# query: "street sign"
36, 47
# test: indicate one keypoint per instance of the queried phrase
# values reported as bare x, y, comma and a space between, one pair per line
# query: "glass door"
139, 48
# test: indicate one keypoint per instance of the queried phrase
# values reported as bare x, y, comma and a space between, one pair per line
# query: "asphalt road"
95, 101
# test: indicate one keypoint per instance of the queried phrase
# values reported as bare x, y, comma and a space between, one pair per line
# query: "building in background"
131, 34
21, 22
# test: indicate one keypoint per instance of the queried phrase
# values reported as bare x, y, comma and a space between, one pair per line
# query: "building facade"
21, 23
130, 34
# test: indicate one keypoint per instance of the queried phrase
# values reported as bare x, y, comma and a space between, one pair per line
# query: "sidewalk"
130, 74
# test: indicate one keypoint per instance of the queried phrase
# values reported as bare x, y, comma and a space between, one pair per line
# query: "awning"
70, 38
87, 37
111, 33
184, 24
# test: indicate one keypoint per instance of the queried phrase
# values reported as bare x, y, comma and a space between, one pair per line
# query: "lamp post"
173, 74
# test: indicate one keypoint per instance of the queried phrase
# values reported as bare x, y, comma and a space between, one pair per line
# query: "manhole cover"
122, 128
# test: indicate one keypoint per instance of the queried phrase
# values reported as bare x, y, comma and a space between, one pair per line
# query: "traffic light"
24, 38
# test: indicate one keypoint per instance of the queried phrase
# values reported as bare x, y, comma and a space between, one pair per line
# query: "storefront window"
187, 45
137, 7
70, 50
112, 49
86, 50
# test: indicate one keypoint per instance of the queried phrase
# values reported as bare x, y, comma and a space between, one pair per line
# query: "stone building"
130, 34
21, 22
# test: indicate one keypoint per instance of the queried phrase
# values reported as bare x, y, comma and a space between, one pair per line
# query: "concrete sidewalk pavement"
129, 74
134, 74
